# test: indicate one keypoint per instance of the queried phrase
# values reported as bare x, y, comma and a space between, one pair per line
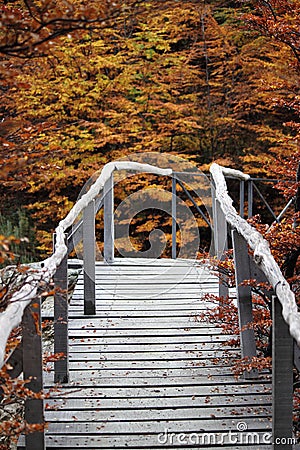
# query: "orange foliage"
181, 78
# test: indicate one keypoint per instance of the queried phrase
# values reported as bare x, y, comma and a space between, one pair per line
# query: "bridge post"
242, 198
220, 240
61, 313
244, 298
174, 219
33, 368
282, 379
109, 234
89, 258
250, 198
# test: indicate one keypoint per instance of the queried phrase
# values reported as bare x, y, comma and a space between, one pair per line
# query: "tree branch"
26, 42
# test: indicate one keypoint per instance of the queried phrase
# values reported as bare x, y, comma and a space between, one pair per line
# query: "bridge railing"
185, 181
55, 268
260, 265
27, 359
24, 303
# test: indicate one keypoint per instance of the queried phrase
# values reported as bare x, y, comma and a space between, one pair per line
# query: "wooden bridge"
141, 371
143, 364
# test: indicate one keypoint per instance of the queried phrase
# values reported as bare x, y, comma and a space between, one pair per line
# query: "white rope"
12, 316
262, 254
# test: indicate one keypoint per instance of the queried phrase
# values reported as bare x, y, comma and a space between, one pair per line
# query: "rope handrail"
12, 316
262, 254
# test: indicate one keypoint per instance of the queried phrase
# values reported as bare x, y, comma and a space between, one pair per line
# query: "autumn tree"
186, 78
28, 28
277, 22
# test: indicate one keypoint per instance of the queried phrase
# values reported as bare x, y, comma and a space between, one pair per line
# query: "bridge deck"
143, 365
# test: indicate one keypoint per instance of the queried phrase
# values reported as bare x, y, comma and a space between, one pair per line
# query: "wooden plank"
124, 366
200, 273
140, 314
170, 298
155, 294
128, 348
78, 379
118, 297
153, 281
282, 378
164, 278
182, 354
124, 303
98, 403
152, 441
154, 339
136, 315
103, 296
159, 273
124, 307
161, 262
89, 256
137, 285
142, 323
154, 286
132, 377
109, 443
149, 426
146, 365
155, 414
209, 390
32, 370
143, 331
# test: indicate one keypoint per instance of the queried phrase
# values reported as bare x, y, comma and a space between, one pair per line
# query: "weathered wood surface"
144, 364
282, 355
89, 256
244, 299
61, 313
32, 371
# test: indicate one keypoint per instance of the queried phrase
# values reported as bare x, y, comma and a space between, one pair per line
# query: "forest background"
82, 85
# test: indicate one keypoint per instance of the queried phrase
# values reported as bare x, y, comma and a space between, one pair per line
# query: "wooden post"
244, 298
213, 251
33, 368
242, 198
250, 198
174, 219
282, 380
220, 237
61, 311
109, 235
220, 231
296, 356
89, 258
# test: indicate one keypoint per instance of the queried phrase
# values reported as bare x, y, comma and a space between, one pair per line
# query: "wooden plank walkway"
143, 365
